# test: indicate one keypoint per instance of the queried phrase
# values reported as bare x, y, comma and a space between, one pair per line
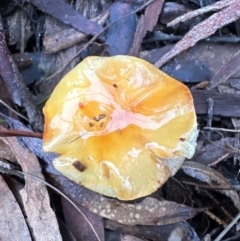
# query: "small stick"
15, 112
227, 228
219, 160
220, 129
210, 115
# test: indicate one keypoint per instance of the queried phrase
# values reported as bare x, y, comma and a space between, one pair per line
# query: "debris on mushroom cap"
121, 127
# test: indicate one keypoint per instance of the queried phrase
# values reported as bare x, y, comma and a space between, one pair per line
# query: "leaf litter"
136, 216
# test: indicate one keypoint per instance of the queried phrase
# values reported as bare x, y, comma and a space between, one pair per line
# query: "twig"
10, 133
15, 112
212, 187
213, 7
219, 160
210, 115
220, 129
227, 228
23, 23
215, 218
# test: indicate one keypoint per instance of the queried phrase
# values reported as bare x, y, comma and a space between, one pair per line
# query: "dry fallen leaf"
211, 176
13, 224
146, 23
77, 224
120, 35
204, 29
159, 233
6, 153
41, 218
226, 71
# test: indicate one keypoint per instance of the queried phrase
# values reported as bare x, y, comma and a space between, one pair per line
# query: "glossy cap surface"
121, 127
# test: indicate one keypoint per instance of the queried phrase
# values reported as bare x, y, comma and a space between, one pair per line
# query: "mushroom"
121, 127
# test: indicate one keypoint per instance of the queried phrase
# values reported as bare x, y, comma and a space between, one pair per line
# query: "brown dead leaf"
226, 71
203, 30
213, 151
159, 233
146, 23
6, 153
13, 225
150, 211
211, 176
78, 226
65, 13
120, 35
41, 217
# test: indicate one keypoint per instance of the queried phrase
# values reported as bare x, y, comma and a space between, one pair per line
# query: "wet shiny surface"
117, 116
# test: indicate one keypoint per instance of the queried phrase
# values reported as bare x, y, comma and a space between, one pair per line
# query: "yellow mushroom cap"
121, 127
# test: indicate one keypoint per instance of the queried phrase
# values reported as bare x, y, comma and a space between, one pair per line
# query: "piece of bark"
227, 105
15, 85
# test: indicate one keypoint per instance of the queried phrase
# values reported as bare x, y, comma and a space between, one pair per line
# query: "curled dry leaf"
210, 176
105, 119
